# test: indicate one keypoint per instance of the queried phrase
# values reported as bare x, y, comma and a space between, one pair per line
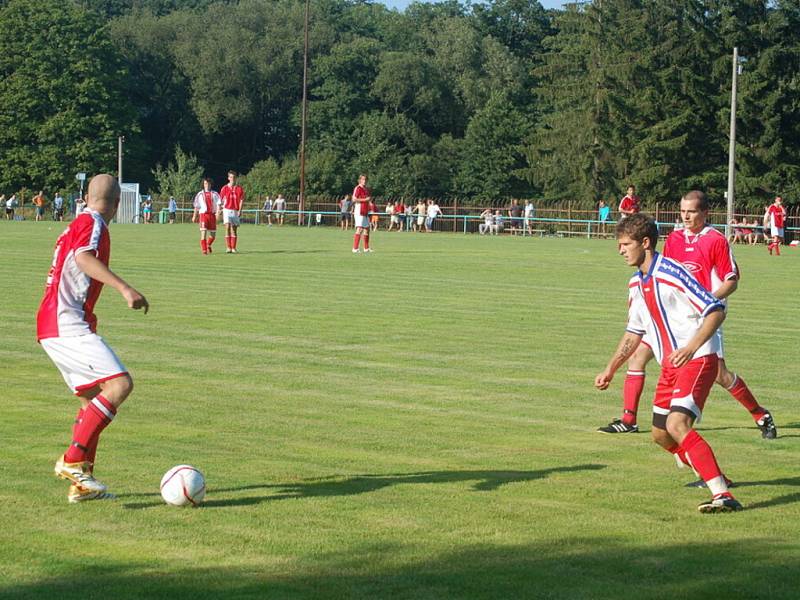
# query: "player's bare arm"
94, 268
726, 288
711, 323
627, 346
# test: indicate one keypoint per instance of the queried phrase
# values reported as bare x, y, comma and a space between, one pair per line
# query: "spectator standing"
40, 202
232, 196
389, 210
11, 205
433, 212
630, 203
498, 224
488, 221
345, 212
515, 213
267, 208
280, 208
530, 213
374, 216
421, 211
172, 208
400, 214
603, 213
58, 207
409, 216
777, 216
147, 209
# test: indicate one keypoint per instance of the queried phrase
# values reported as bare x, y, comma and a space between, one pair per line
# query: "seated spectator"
736, 233
747, 232
499, 223
488, 221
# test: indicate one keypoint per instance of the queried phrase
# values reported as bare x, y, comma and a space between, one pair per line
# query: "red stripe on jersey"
649, 294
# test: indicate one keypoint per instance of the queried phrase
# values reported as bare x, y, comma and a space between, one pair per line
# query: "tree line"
478, 102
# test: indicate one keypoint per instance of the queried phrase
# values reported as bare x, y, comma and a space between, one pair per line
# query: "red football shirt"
361, 193
777, 214
232, 196
707, 255
630, 204
67, 308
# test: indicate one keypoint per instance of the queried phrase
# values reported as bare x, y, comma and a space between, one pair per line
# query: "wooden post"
455, 212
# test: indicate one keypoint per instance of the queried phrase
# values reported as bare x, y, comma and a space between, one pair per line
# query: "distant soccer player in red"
232, 202
707, 255
681, 317
777, 217
630, 203
67, 331
362, 200
207, 204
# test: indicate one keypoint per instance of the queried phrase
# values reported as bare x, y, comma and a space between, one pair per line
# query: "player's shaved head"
103, 195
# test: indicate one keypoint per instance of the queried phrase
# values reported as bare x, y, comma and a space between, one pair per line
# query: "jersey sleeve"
636, 324
722, 260
86, 235
196, 202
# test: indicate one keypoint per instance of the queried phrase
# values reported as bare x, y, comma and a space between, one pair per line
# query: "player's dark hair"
234, 173
699, 197
638, 227
209, 180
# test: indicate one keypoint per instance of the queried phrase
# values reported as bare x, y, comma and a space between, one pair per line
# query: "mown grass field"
416, 423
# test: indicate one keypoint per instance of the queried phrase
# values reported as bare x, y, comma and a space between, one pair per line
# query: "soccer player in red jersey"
706, 253
362, 200
630, 203
67, 331
681, 317
777, 217
232, 201
207, 204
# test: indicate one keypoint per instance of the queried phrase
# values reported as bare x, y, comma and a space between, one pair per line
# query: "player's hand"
681, 356
603, 380
135, 299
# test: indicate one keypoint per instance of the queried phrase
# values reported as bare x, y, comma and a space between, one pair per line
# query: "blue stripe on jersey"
706, 298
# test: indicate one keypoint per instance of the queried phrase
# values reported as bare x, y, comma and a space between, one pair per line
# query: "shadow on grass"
565, 567
485, 481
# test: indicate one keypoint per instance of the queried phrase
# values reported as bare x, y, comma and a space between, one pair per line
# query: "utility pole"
732, 145
301, 204
120, 139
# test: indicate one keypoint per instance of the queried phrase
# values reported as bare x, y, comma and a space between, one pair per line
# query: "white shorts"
362, 221
84, 360
230, 217
777, 231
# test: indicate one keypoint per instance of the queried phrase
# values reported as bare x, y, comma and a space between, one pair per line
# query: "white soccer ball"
183, 485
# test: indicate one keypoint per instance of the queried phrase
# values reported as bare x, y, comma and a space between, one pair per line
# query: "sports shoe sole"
719, 508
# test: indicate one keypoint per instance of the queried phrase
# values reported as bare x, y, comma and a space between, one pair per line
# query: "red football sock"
701, 456
204, 246
631, 394
680, 453
228, 242
742, 393
366, 242
209, 241
356, 241
234, 240
77, 423
778, 248
96, 416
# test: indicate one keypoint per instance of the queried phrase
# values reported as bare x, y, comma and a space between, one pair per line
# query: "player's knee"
118, 389
678, 425
661, 437
724, 377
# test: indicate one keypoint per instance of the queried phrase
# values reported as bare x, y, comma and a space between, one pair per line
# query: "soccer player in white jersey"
681, 317
207, 204
67, 331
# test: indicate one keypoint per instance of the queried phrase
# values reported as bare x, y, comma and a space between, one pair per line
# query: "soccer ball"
183, 485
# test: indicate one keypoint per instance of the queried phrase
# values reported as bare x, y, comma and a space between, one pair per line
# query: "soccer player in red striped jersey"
67, 331
207, 205
706, 253
362, 199
681, 318
232, 202
777, 217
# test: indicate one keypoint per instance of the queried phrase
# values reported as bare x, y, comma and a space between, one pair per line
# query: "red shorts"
685, 389
208, 221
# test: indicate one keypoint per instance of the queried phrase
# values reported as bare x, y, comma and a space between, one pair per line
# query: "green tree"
182, 178
62, 93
